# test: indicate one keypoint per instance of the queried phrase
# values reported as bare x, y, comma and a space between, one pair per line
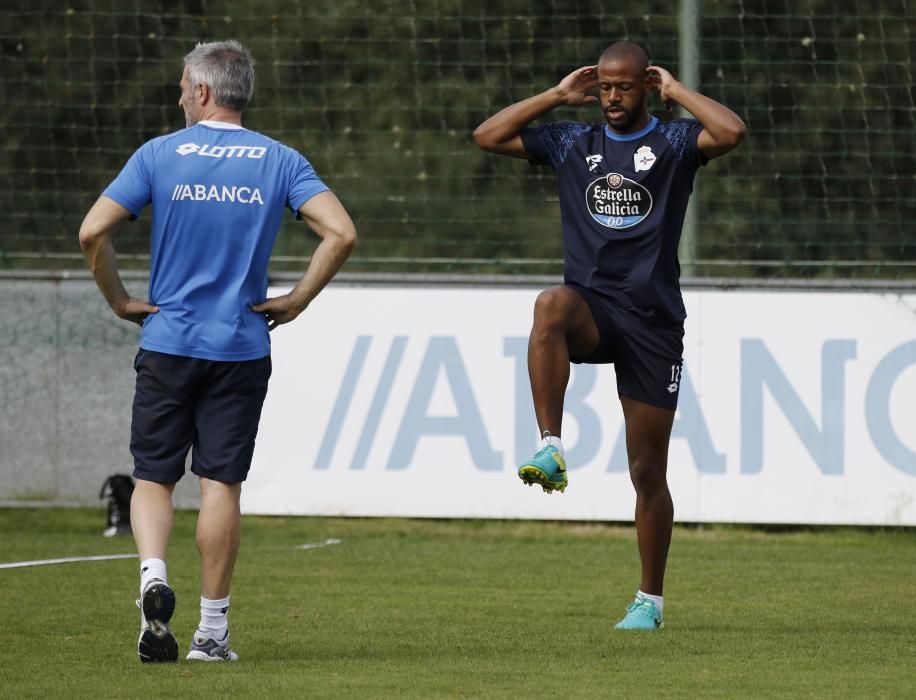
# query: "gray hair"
227, 68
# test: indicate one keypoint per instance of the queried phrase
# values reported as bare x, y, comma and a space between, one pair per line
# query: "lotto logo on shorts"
675, 379
617, 202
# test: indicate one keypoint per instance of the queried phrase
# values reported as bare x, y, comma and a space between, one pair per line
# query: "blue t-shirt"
218, 195
622, 205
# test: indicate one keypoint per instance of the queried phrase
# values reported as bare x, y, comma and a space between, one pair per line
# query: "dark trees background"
382, 97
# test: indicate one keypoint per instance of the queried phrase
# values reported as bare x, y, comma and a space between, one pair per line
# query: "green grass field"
469, 609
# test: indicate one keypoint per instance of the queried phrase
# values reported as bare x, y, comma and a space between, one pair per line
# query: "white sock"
657, 599
151, 569
554, 440
213, 614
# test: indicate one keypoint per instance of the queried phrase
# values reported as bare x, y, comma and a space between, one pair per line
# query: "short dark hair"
626, 50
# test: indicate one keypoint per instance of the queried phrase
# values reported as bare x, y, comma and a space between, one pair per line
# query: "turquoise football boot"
546, 468
641, 615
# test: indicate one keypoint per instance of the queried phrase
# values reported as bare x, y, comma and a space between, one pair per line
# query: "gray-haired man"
218, 192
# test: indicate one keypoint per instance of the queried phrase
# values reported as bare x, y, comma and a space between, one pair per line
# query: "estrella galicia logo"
617, 202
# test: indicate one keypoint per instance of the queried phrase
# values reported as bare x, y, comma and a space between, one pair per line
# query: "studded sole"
531, 475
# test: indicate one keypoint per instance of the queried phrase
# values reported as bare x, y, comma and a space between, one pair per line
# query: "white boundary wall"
796, 407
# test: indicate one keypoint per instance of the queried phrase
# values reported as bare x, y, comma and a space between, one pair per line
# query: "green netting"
382, 98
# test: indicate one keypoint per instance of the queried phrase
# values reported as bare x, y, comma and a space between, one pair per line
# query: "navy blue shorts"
647, 356
185, 402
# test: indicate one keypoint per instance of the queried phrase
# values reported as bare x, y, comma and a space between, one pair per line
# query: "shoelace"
637, 604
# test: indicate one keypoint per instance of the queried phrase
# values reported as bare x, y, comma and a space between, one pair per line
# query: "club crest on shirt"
617, 202
643, 158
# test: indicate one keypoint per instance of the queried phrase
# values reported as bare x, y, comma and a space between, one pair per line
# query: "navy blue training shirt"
218, 193
622, 203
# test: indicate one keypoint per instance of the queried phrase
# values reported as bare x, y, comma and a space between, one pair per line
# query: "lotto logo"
209, 151
675, 378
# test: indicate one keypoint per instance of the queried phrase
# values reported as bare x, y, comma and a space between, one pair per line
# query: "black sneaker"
156, 643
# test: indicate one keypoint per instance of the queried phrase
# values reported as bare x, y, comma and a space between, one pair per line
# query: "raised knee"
552, 306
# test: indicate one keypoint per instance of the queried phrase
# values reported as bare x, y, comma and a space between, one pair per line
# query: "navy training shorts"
647, 356
183, 402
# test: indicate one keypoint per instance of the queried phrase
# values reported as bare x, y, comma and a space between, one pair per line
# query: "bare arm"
722, 131
327, 217
95, 241
500, 133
